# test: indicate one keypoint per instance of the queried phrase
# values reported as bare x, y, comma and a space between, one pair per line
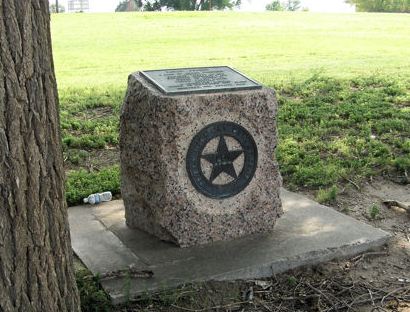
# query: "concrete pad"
307, 234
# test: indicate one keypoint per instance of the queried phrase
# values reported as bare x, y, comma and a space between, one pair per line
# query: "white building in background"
78, 6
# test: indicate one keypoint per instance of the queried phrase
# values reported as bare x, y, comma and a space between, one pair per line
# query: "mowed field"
101, 49
343, 82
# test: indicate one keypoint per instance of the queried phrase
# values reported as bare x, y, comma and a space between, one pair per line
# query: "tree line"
393, 6
288, 5
177, 5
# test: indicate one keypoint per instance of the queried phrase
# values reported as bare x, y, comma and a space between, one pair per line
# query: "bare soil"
95, 113
96, 160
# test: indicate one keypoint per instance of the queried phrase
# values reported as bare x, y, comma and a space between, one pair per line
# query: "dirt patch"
95, 113
104, 158
391, 269
91, 160
375, 281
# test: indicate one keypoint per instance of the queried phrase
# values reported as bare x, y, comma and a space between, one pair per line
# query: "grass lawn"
102, 49
343, 82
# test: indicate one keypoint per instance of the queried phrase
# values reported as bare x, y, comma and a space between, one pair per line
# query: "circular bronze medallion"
221, 159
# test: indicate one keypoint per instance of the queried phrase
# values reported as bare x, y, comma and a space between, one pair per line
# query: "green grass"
80, 183
325, 196
93, 296
89, 117
343, 82
332, 129
374, 212
102, 49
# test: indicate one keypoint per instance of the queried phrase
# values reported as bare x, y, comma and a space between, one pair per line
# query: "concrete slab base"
307, 234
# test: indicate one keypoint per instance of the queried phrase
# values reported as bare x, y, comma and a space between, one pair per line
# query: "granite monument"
198, 155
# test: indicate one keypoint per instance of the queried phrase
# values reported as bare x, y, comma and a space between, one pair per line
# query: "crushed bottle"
98, 198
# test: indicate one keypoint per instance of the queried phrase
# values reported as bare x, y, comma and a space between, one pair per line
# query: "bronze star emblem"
222, 160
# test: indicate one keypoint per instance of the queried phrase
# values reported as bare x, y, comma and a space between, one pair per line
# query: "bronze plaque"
199, 80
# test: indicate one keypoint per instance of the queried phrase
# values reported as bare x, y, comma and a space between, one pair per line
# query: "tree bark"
36, 267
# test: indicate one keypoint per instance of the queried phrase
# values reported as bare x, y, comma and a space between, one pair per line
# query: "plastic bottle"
98, 198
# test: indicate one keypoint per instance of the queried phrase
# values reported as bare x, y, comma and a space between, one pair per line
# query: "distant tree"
288, 5
291, 5
53, 8
393, 6
153, 5
274, 6
129, 5
190, 5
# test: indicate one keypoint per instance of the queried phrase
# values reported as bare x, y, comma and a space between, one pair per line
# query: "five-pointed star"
222, 160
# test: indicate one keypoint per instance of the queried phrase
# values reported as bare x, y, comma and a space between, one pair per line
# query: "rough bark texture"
35, 250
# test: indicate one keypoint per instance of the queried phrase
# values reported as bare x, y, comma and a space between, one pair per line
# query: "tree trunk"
36, 267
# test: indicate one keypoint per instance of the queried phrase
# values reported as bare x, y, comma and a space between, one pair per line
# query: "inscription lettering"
199, 80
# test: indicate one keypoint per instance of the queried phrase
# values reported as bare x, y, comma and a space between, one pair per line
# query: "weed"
127, 288
345, 210
93, 298
187, 294
168, 297
402, 163
292, 281
327, 195
374, 211
87, 141
75, 156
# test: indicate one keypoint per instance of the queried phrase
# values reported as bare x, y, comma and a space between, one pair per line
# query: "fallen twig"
371, 296
393, 292
367, 254
354, 184
131, 272
210, 308
326, 296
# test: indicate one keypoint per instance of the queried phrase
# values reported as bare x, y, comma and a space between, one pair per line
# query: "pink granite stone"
159, 198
